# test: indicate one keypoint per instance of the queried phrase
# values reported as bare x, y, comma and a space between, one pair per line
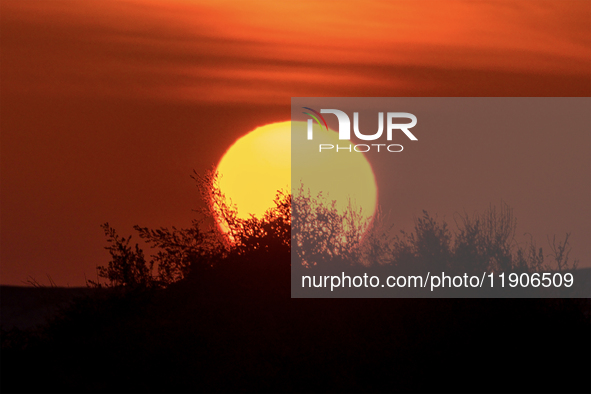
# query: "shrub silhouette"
241, 236
203, 245
128, 267
323, 235
320, 236
479, 243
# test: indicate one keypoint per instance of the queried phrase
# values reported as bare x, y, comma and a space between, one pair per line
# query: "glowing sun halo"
259, 164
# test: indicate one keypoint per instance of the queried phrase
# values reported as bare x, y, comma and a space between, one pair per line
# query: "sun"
255, 167
260, 163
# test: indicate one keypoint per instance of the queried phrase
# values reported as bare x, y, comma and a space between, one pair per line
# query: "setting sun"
259, 164
255, 167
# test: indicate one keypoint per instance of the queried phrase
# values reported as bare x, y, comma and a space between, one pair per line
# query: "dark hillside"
237, 329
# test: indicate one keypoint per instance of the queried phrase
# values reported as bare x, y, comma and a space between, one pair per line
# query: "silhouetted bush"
128, 267
480, 243
319, 235
203, 245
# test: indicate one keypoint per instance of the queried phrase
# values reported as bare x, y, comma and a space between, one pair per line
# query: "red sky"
107, 107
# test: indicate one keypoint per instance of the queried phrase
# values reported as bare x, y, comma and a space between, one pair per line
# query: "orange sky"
106, 107
264, 51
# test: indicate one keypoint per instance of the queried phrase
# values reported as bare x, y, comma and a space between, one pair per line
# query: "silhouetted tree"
320, 235
178, 250
128, 266
239, 235
480, 243
204, 244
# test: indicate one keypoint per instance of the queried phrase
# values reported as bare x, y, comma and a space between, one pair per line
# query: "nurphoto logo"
345, 130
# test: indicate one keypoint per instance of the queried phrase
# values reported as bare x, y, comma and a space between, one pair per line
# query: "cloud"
262, 51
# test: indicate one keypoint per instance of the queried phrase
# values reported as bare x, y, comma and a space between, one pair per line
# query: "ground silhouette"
214, 314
